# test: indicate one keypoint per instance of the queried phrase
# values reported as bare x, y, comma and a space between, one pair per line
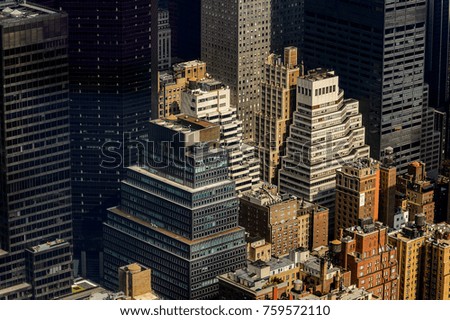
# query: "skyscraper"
209, 99
287, 24
109, 59
235, 41
185, 17
437, 53
326, 132
378, 49
179, 215
35, 192
272, 120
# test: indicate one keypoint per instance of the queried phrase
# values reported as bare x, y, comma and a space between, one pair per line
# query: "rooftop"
313, 263
12, 12
184, 123
188, 64
48, 245
267, 195
319, 74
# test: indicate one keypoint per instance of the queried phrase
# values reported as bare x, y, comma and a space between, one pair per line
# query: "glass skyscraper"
109, 58
35, 190
378, 49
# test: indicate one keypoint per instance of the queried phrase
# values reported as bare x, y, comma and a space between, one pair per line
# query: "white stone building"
209, 99
327, 131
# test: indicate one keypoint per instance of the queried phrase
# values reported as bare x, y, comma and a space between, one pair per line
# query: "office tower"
287, 24
388, 187
235, 42
35, 196
436, 273
410, 244
179, 215
371, 260
278, 101
209, 100
378, 49
357, 193
185, 17
275, 217
417, 191
172, 83
327, 132
164, 40
109, 59
437, 53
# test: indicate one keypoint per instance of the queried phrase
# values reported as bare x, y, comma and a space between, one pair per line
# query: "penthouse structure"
179, 215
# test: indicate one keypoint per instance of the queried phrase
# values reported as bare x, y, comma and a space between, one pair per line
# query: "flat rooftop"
318, 74
48, 245
184, 123
188, 64
10, 12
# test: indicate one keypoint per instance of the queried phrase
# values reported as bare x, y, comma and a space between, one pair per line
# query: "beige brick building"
275, 113
171, 84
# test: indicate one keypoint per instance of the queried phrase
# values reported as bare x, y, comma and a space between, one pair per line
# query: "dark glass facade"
185, 21
180, 220
35, 189
437, 54
287, 24
437, 61
378, 49
110, 57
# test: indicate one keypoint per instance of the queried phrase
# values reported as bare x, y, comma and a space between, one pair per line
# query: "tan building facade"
274, 217
410, 244
272, 120
172, 84
417, 191
436, 273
